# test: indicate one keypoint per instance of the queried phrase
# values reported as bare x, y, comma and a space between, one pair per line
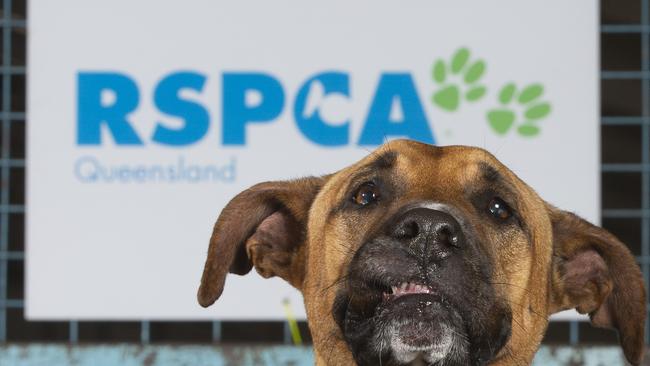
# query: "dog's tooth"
394, 289
403, 286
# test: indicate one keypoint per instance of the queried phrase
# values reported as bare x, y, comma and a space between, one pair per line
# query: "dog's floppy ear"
596, 274
263, 226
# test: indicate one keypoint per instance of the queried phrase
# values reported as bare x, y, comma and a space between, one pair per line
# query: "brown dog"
427, 255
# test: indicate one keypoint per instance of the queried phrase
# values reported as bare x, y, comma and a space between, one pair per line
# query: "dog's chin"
417, 340
419, 327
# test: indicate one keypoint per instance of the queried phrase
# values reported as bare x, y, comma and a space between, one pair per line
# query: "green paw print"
502, 119
448, 97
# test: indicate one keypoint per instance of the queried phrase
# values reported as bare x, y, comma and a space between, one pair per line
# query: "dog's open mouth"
405, 288
415, 321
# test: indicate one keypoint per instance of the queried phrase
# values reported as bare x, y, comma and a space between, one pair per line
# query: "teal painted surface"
135, 355
205, 355
574, 356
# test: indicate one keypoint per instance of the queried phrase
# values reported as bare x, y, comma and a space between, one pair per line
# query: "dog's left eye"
499, 209
366, 194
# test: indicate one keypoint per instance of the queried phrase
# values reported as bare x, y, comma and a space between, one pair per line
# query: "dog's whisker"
508, 284
530, 309
519, 360
336, 282
520, 326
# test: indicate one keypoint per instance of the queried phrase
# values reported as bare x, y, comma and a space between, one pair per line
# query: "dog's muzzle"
420, 290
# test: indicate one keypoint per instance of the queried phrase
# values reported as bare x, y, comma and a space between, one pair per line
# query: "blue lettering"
317, 94
237, 114
92, 113
167, 100
393, 89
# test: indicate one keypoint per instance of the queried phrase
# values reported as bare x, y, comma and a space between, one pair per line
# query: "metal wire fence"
625, 141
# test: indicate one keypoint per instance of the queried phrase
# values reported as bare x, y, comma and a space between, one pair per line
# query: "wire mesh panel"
625, 153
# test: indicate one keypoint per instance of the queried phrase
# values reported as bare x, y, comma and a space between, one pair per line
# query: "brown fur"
288, 229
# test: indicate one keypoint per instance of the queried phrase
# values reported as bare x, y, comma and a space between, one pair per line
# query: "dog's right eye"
499, 209
366, 194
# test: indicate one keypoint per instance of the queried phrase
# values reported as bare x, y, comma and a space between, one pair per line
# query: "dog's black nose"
428, 232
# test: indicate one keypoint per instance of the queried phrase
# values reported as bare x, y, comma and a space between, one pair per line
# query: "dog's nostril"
444, 234
447, 235
408, 230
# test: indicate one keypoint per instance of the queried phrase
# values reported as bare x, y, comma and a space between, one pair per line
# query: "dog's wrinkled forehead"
446, 173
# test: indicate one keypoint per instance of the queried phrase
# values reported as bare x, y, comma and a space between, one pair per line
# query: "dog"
427, 255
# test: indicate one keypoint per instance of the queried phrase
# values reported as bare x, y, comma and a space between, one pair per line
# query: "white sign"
146, 117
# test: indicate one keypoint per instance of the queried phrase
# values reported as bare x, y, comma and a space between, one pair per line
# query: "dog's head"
437, 255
